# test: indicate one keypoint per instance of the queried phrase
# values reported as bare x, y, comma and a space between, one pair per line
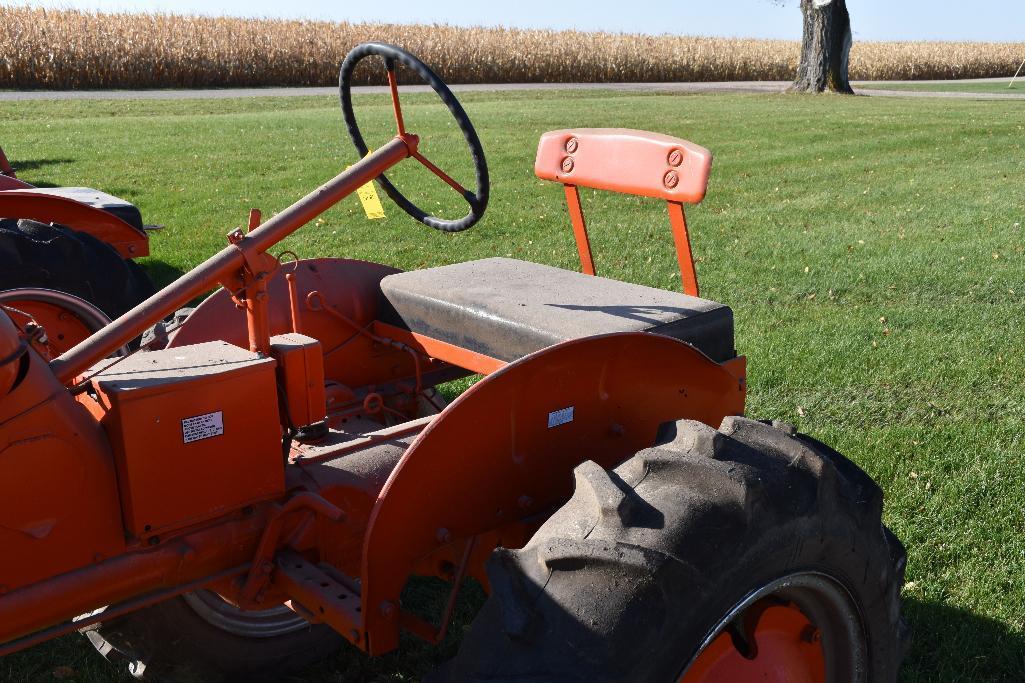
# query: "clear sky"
994, 20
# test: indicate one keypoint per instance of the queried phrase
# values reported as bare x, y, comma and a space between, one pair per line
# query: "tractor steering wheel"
478, 200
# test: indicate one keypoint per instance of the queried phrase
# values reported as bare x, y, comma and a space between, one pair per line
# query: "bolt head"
675, 157
671, 179
572, 144
567, 164
443, 535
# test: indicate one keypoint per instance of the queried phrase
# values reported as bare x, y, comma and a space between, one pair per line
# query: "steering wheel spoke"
393, 56
430, 166
393, 84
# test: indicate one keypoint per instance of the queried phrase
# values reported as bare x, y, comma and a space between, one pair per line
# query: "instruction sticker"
368, 198
560, 417
202, 426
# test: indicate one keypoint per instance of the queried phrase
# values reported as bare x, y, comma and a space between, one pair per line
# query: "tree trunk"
825, 47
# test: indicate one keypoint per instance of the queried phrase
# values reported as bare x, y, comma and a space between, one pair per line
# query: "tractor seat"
505, 308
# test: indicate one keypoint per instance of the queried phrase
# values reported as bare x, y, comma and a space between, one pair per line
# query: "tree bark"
825, 47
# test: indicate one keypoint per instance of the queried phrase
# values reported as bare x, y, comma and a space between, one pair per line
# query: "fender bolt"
671, 179
567, 164
675, 157
571, 145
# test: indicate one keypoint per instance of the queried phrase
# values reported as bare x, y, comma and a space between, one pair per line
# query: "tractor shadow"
160, 272
953, 644
21, 165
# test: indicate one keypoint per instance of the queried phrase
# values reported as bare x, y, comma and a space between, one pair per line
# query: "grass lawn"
997, 87
872, 250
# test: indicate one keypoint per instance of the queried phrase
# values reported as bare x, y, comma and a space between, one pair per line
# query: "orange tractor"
239, 503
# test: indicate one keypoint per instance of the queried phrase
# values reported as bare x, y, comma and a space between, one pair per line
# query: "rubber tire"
170, 642
627, 580
34, 254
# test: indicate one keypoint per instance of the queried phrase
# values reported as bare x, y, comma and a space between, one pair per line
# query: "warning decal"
560, 417
202, 426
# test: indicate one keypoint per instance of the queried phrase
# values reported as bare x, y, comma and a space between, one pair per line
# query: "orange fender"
505, 449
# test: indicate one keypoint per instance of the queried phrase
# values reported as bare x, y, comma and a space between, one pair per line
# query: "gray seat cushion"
506, 309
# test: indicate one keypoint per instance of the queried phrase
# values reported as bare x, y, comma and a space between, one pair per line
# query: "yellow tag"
369, 199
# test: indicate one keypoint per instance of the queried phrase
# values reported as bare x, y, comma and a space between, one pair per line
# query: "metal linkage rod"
229, 260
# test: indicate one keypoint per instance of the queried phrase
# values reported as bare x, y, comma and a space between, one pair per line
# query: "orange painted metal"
505, 448
435, 348
789, 651
393, 86
627, 161
13, 347
202, 420
300, 375
63, 328
11, 183
110, 579
688, 275
576, 217
61, 506
349, 287
631, 162
129, 241
430, 166
5, 165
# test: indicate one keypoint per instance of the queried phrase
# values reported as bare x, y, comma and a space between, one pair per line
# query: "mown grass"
872, 250
997, 87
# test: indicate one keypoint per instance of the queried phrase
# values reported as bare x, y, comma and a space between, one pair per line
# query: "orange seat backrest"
624, 160
632, 162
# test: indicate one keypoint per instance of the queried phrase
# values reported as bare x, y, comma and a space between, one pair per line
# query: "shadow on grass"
952, 644
21, 165
160, 273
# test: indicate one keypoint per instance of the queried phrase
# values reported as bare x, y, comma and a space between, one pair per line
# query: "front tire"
681, 562
34, 254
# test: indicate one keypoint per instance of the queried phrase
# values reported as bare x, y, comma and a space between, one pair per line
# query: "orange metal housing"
300, 374
201, 421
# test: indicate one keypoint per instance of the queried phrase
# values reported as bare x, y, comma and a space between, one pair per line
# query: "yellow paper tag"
370, 201
368, 198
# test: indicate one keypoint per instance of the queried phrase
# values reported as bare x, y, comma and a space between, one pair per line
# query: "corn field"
68, 49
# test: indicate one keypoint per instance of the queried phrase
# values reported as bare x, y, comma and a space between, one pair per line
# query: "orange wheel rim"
789, 650
804, 627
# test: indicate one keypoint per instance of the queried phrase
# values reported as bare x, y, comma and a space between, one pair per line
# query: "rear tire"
646, 565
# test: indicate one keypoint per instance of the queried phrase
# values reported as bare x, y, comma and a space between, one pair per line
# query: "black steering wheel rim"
478, 200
